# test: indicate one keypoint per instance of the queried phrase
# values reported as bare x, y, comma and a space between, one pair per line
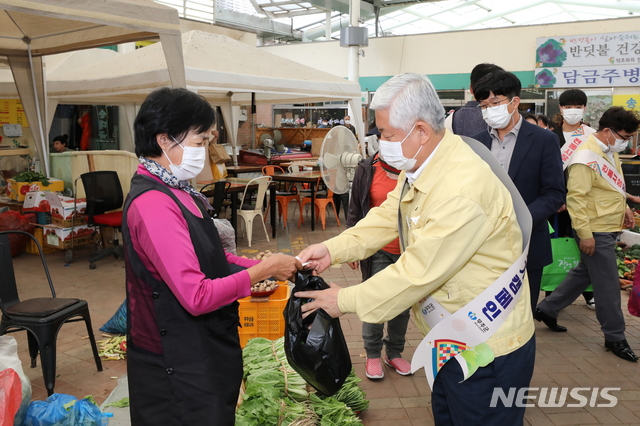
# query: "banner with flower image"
591, 60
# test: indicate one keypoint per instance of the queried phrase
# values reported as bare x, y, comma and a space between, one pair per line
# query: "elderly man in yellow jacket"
461, 235
596, 201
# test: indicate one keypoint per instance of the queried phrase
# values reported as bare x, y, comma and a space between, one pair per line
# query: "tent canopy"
219, 68
215, 65
30, 29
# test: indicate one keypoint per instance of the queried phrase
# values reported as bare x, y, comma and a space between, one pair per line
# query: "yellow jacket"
593, 204
463, 234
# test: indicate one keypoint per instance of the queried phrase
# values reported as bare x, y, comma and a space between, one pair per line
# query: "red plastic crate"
263, 318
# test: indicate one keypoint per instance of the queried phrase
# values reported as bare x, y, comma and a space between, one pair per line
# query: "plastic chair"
284, 200
41, 317
321, 205
104, 193
249, 211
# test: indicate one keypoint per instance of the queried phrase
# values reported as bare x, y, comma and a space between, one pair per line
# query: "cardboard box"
57, 237
66, 211
18, 190
32, 248
36, 202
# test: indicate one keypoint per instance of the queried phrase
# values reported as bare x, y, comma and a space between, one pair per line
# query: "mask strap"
165, 154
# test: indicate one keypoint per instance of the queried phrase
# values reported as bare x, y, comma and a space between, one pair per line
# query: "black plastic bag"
318, 353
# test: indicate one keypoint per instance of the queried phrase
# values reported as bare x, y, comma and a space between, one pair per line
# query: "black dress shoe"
548, 320
621, 349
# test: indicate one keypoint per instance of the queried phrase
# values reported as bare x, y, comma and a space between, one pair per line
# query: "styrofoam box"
629, 237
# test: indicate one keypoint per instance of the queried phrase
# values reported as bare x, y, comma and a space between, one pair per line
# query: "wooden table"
235, 170
310, 177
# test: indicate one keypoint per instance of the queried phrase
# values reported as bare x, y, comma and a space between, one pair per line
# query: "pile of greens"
31, 177
276, 395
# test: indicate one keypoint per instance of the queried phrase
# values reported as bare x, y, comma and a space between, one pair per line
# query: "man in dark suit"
530, 156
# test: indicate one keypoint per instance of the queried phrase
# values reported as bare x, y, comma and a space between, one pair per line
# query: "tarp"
219, 68
30, 29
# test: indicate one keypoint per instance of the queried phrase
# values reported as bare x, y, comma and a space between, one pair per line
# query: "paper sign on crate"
63, 210
61, 237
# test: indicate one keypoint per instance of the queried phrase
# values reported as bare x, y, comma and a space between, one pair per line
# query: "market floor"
573, 359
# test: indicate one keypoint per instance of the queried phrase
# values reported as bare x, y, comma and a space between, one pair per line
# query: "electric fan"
340, 157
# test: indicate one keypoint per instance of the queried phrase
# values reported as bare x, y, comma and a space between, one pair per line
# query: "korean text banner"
588, 50
593, 76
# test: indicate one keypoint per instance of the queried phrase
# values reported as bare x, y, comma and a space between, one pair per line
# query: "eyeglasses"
627, 139
493, 104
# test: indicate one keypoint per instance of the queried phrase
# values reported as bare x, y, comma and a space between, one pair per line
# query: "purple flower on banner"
550, 54
545, 78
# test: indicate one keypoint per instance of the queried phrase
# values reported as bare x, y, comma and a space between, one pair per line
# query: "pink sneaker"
402, 366
373, 368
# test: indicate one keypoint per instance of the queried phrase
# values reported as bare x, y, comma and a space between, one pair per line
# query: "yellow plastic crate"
263, 318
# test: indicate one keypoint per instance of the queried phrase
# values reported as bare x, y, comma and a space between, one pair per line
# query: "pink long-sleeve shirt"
160, 236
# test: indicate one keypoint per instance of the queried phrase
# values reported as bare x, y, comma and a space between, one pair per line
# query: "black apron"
196, 380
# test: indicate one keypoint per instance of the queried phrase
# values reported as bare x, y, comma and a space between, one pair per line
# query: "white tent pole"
232, 129
43, 143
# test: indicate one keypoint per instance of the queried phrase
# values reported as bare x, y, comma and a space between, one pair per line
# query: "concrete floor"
573, 359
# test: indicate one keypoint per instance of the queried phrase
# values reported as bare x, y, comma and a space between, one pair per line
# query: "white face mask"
497, 117
192, 163
391, 153
619, 145
347, 121
572, 115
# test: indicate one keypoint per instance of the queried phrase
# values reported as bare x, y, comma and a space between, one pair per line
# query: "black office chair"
40, 317
104, 193
219, 194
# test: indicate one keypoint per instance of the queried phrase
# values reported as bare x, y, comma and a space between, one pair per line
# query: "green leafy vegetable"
30, 177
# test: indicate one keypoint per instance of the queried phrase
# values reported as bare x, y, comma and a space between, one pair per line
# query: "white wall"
445, 53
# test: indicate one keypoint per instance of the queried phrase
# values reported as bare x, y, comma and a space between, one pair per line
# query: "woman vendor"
184, 359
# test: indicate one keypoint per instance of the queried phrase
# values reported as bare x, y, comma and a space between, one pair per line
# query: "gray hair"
409, 98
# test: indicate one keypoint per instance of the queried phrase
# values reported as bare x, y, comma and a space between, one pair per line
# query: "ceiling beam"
626, 5
499, 13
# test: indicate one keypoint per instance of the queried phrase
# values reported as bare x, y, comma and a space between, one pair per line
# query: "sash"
461, 335
602, 167
569, 148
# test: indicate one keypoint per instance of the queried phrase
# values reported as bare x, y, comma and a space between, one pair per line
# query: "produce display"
114, 348
276, 395
266, 285
627, 259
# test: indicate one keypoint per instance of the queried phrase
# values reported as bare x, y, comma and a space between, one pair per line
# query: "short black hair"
480, 71
175, 112
499, 82
526, 115
573, 97
619, 119
63, 139
544, 119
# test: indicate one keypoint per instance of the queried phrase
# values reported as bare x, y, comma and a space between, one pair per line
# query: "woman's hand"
318, 257
279, 266
354, 265
325, 299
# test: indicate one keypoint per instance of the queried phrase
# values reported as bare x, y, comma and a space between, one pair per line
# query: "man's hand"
354, 265
325, 299
633, 198
318, 257
629, 219
562, 208
588, 246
